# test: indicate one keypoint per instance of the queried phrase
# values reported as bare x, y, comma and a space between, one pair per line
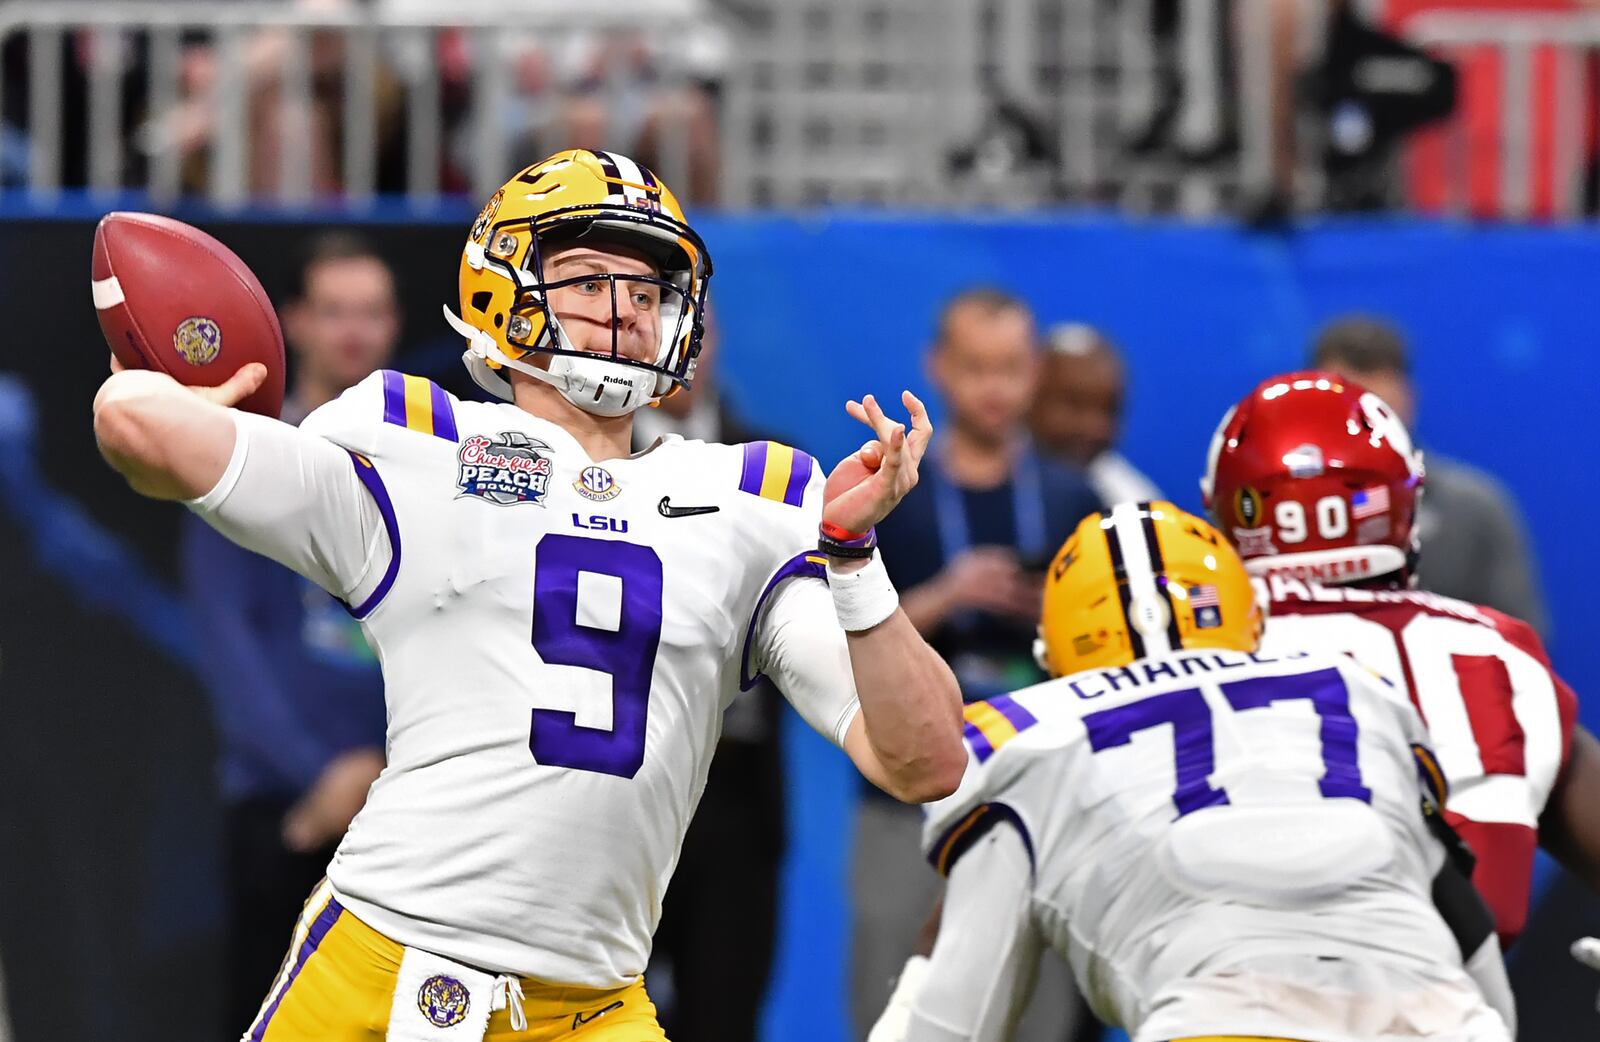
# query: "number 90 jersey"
559, 639
1212, 834
1501, 720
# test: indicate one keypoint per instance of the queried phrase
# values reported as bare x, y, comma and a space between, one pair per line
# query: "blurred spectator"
719, 921
297, 692
272, 114
1077, 411
967, 549
1474, 546
649, 95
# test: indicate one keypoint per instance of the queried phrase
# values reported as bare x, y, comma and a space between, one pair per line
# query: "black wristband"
833, 549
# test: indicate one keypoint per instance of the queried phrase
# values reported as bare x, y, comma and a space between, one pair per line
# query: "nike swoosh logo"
668, 510
580, 1019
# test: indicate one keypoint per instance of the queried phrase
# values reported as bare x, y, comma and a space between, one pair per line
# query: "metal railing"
371, 37
821, 101
848, 101
1568, 40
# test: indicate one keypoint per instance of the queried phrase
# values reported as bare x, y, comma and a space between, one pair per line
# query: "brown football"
174, 299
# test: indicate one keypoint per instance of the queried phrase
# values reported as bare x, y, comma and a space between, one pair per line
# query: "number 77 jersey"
1500, 719
1213, 834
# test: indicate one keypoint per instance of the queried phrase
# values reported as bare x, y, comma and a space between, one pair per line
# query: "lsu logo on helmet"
1143, 579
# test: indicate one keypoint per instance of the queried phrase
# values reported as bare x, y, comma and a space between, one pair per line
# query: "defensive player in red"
1315, 481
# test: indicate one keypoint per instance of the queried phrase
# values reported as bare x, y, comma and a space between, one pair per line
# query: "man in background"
719, 922
968, 554
1474, 544
1077, 411
297, 693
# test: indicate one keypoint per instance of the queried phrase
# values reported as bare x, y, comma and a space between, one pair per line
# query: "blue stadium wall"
818, 309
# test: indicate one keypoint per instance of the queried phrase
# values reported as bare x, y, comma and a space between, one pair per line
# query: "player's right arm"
281, 491
169, 441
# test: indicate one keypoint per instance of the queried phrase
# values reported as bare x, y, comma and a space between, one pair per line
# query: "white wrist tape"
862, 598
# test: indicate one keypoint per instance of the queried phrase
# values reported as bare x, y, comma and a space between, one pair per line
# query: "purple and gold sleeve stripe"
810, 564
960, 837
776, 472
380, 495
417, 404
993, 723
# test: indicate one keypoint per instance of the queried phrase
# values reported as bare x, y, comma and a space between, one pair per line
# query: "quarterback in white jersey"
1221, 842
561, 624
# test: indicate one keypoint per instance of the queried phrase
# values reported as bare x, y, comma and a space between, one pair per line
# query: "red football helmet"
1314, 476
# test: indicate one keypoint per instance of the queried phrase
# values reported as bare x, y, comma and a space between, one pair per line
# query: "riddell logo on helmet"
1327, 571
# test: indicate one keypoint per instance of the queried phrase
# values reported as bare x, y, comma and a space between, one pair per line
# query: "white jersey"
1218, 841
559, 639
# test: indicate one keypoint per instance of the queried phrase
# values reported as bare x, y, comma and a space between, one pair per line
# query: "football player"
561, 624
1315, 480
1223, 843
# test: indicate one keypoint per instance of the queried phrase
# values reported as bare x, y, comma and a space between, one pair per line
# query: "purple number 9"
616, 639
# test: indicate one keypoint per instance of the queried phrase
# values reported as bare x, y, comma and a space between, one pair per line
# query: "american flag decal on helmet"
1206, 606
1370, 502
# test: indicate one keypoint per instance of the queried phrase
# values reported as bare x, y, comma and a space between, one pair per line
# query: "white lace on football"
507, 993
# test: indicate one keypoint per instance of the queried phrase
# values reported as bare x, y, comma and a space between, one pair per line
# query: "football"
174, 299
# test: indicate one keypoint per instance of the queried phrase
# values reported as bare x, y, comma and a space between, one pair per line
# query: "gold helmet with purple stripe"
590, 197
1143, 579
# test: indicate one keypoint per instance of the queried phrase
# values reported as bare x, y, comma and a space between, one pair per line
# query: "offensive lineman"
1315, 481
1223, 843
561, 624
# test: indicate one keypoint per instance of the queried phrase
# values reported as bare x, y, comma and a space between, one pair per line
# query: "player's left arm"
907, 737
1569, 828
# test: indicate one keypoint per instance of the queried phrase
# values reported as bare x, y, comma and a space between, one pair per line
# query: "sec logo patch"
596, 483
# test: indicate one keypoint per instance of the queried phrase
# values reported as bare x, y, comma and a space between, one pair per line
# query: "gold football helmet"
599, 197
1143, 579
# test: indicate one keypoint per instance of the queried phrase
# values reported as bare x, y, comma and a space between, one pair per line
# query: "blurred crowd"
581, 87
1028, 446
1334, 128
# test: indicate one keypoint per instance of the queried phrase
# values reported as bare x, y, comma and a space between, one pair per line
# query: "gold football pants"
337, 985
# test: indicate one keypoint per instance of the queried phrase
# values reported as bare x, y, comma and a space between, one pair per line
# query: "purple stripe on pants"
394, 398
314, 936
755, 466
